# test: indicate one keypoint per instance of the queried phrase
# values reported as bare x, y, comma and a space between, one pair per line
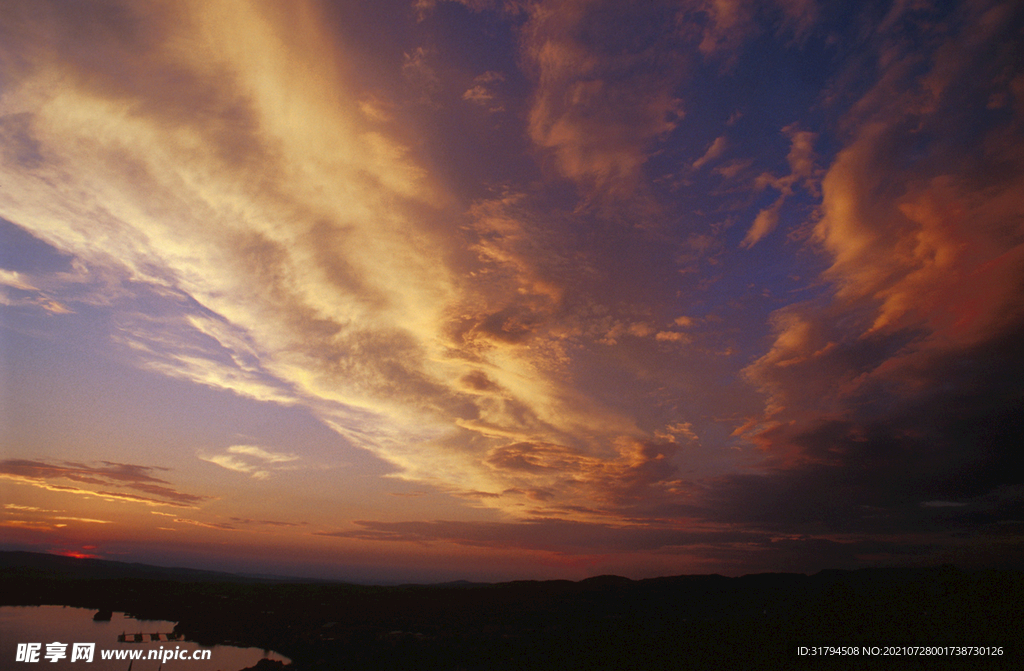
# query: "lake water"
50, 624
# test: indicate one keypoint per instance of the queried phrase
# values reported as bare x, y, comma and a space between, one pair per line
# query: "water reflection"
60, 624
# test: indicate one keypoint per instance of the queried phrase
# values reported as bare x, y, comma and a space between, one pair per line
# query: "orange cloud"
803, 170
923, 245
716, 149
598, 120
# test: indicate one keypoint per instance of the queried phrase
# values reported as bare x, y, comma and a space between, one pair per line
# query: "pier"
157, 637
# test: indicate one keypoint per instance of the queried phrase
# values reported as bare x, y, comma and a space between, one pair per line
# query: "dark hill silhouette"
605, 622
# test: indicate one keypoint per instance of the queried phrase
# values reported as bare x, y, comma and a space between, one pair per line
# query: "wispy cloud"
251, 460
803, 171
130, 476
26, 293
721, 28
217, 526
43, 515
716, 149
267, 523
482, 92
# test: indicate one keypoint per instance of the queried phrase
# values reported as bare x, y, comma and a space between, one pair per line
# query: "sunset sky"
485, 289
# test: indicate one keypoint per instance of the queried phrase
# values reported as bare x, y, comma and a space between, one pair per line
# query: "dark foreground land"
608, 622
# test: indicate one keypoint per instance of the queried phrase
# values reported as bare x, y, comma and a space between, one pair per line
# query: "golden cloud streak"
229, 159
106, 496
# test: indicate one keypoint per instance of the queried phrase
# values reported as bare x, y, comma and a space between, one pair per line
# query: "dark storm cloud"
894, 403
946, 458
